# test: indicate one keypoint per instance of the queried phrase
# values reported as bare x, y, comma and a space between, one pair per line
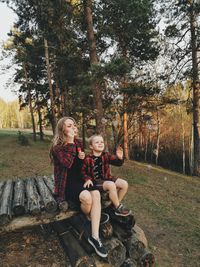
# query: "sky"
7, 18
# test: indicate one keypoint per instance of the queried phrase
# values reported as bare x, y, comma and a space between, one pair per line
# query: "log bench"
28, 202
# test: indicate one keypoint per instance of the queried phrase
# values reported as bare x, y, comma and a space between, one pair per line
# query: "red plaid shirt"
107, 159
63, 158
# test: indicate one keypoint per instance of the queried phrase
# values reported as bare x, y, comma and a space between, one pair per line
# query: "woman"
67, 156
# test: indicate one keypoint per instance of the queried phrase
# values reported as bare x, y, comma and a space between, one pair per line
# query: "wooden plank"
28, 221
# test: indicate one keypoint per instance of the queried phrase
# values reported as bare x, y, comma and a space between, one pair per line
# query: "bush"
22, 139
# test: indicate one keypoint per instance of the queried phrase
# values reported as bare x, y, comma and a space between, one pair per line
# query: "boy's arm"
118, 159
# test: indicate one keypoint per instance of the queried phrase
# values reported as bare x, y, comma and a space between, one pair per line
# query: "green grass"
166, 204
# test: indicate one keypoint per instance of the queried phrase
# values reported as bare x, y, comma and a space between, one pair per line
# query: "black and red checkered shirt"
63, 158
107, 159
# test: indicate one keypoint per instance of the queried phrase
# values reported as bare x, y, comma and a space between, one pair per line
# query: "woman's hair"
59, 137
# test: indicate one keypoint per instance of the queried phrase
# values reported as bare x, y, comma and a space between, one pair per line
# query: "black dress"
74, 183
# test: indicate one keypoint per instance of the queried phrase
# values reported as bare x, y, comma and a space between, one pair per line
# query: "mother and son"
81, 179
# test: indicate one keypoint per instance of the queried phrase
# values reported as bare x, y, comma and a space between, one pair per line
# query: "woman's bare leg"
86, 202
95, 213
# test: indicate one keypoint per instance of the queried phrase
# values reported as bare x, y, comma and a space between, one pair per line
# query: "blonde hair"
59, 137
90, 140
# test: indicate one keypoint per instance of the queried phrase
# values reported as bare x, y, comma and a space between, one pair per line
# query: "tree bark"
33, 198
29, 221
5, 204
196, 95
18, 206
50, 85
98, 106
125, 127
49, 202
30, 101
77, 255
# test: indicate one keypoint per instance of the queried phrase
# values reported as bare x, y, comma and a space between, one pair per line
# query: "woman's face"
69, 126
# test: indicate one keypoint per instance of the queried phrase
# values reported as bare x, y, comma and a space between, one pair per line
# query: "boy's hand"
88, 183
119, 152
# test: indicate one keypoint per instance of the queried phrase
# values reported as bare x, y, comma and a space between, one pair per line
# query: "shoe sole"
98, 253
105, 220
122, 215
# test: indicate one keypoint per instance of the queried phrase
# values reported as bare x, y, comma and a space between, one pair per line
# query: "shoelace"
100, 243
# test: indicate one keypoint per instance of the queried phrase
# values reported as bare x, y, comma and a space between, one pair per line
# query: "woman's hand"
119, 152
88, 183
81, 155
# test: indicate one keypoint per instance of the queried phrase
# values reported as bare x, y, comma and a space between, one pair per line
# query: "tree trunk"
1, 188
98, 106
33, 198
196, 96
30, 101
77, 255
49, 202
50, 85
158, 137
18, 206
125, 127
5, 204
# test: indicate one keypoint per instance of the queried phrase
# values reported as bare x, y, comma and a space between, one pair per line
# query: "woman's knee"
85, 197
96, 197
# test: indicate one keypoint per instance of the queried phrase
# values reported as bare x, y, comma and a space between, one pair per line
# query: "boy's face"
97, 144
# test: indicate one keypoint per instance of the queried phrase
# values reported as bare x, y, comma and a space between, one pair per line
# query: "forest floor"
166, 206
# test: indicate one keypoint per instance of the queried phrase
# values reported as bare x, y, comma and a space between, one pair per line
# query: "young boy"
96, 173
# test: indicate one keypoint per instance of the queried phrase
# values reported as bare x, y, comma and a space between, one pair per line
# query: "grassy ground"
166, 204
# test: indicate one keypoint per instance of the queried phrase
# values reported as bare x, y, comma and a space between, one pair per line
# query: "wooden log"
49, 202
147, 259
2, 183
129, 263
29, 221
140, 235
77, 255
120, 232
18, 206
116, 252
6, 201
49, 181
33, 198
135, 248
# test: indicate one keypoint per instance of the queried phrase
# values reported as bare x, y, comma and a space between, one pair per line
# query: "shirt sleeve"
65, 154
84, 171
114, 160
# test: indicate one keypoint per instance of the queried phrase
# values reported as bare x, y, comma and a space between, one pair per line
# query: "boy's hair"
90, 140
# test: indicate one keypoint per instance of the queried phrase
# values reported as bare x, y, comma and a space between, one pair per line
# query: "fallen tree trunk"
49, 182
33, 198
5, 205
18, 206
147, 259
135, 248
116, 252
29, 221
49, 202
77, 255
1, 188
